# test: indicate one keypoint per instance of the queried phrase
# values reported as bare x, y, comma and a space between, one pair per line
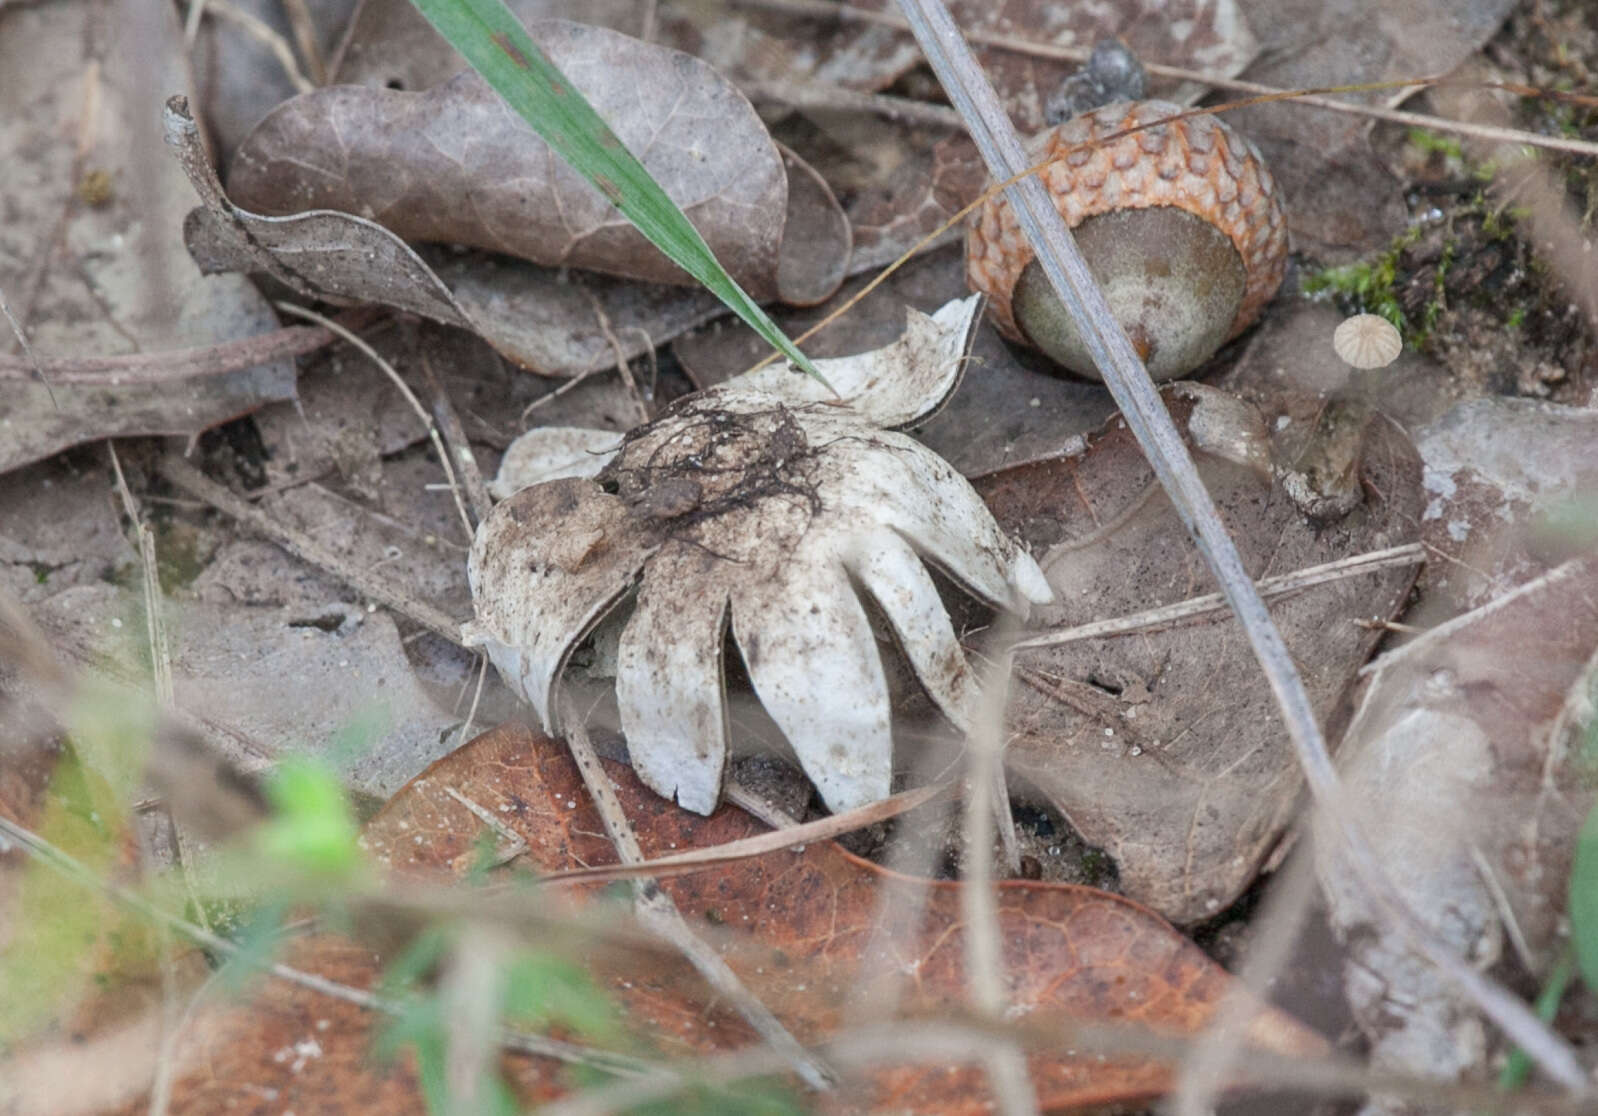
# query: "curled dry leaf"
1164, 746
767, 505
554, 323
456, 165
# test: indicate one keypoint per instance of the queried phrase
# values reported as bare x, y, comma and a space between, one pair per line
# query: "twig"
1133, 391
512, 844
27, 351
477, 696
455, 435
698, 860
837, 98
988, 802
657, 912
298, 543
154, 617
261, 33
304, 28
173, 365
1209, 1063
404, 390
1312, 98
1269, 588
73, 869
942, 1043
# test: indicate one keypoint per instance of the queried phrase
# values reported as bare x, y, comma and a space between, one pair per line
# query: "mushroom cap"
1367, 341
1197, 164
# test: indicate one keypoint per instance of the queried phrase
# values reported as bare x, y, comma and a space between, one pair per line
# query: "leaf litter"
1345, 202
797, 925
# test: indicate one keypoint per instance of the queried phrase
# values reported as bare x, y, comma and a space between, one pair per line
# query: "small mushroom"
1179, 223
1367, 341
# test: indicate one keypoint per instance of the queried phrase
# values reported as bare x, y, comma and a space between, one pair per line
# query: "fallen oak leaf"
1190, 789
799, 928
546, 321
457, 165
798, 925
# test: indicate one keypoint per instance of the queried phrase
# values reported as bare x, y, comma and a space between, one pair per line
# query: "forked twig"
1123, 372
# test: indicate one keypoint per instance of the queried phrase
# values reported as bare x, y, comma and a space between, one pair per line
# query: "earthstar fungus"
767, 505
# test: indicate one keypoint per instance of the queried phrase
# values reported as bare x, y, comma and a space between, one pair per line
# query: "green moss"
1431, 143
1367, 286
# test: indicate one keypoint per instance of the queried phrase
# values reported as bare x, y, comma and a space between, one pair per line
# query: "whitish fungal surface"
766, 505
1367, 341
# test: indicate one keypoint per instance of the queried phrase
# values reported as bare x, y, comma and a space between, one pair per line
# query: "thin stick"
837, 98
1312, 98
657, 912
404, 390
715, 856
1270, 588
1210, 1062
979, 907
1133, 391
27, 351
154, 621
941, 1043
301, 545
304, 28
172, 365
455, 435
477, 696
75, 870
263, 34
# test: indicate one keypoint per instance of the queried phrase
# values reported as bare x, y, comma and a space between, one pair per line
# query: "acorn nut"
1179, 223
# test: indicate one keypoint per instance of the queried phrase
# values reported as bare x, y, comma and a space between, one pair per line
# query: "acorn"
1179, 223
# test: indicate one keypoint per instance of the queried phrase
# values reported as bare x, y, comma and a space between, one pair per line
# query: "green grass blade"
499, 49
1584, 900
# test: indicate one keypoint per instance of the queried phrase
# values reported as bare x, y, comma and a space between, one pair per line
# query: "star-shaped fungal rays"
769, 505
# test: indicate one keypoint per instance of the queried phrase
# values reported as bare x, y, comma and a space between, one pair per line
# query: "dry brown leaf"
796, 925
456, 165
1468, 765
231, 664
550, 322
1495, 468
90, 262
1340, 197
1164, 746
